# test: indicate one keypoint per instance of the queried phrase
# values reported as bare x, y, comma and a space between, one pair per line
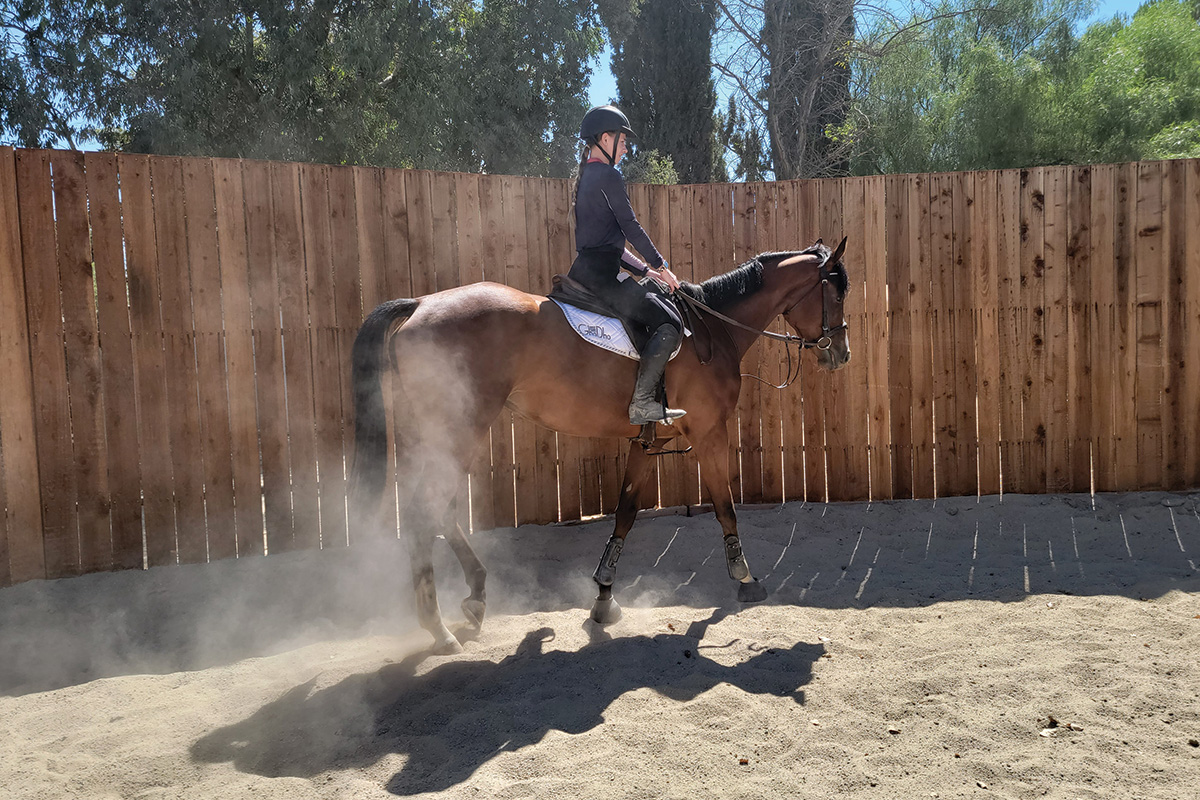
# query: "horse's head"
817, 315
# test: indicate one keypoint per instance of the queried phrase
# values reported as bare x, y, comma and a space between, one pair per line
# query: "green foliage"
973, 89
1014, 86
661, 63
493, 85
649, 166
1139, 96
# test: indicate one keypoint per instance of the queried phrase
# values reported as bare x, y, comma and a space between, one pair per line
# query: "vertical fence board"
239, 355
900, 288
1010, 321
268, 356
287, 222
1102, 353
347, 315
76, 278
1082, 323
921, 361
1125, 325
966, 474
1148, 320
145, 322
844, 390
1175, 321
23, 557
216, 451
984, 248
327, 366
52, 413
419, 202
120, 418
946, 441
1189, 430
170, 230
1055, 389
1033, 307
873, 339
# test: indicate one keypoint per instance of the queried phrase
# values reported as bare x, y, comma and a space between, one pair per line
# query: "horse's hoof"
447, 647
606, 612
751, 592
474, 610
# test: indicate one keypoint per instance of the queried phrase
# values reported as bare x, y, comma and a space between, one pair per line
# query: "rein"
823, 343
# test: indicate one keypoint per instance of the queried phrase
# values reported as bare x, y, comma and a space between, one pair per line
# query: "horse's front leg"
637, 474
714, 468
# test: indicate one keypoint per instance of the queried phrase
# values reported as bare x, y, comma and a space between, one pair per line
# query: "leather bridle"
824, 273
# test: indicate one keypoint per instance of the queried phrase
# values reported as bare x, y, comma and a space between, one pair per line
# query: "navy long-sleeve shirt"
604, 217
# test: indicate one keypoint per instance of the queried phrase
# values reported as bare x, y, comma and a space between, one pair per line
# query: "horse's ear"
837, 254
817, 242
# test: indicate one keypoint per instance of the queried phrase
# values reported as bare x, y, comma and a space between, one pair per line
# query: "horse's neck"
755, 311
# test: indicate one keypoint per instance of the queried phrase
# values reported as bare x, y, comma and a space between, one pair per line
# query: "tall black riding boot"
645, 406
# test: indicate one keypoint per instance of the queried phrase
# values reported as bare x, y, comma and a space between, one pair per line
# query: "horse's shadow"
459, 715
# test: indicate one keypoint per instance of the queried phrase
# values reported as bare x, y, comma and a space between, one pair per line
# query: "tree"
1012, 85
661, 63
1139, 96
966, 88
787, 63
492, 85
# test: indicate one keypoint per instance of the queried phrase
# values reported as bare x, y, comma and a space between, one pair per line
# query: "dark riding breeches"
644, 306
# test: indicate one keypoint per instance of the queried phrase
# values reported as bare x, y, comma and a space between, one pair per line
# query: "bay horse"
457, 357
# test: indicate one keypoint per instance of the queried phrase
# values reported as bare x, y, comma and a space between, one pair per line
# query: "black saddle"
568, 290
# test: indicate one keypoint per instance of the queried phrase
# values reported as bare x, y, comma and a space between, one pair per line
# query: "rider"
604, 219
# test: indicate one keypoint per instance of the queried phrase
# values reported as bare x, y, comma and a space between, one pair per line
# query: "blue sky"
603, 88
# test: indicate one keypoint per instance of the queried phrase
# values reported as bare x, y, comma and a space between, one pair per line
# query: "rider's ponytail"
583, 159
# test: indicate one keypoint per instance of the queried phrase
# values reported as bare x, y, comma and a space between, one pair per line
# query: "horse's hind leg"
637, 473
424, 519
714, 469
475, 605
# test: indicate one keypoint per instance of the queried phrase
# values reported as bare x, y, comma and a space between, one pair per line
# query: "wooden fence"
174, 339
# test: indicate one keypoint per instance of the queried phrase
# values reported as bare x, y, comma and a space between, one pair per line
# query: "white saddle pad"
602, 331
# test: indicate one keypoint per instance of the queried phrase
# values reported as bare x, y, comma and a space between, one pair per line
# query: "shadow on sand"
455, 718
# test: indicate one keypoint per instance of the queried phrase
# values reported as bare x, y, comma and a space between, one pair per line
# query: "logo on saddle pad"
602, 331
593, 332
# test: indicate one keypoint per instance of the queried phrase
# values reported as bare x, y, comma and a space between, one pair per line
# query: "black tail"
369, 468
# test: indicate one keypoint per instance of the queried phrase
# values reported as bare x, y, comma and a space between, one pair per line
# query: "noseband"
826, 341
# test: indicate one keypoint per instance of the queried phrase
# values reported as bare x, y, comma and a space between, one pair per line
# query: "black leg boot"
645, 406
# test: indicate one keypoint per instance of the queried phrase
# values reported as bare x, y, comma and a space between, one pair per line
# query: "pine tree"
664, 82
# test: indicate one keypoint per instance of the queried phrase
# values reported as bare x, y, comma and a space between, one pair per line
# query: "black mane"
720, 290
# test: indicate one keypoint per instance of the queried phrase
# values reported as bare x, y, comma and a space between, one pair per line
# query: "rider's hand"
664, 275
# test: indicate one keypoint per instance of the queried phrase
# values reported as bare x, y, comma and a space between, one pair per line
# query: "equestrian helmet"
603, 119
